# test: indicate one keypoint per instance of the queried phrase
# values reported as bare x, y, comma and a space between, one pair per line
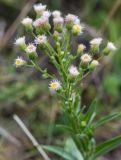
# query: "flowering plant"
79, 123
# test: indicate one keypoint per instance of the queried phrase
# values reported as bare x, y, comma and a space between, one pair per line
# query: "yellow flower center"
18, 62
54, 85
77, 28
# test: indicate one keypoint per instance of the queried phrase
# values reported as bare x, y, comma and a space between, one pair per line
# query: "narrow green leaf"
91, 112
59, 151
64, 128
107, 119
107, 146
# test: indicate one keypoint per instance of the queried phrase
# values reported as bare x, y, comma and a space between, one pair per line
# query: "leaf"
59, 151
107, 146
91, 112
71, 147
107, 119
64, 128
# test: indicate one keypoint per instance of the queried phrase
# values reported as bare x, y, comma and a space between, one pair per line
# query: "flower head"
39, 8
58, 20
86, 58
40, 22
96, 42
20, 41
27, 21
77, 29
73, 71
46, 14
55, 85
41, 39
19, 62
111, 46
31, 48
56, 14
70, 18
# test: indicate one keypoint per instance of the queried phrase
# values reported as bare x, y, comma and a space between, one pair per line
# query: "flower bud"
70, 21
95, 43
39, 9
31, 51
81, 48
56, 14
85, 59
42, 25
73, 71
27, 22
83, 123
56, 36
20, 42
110, 47
58, 24
93, 65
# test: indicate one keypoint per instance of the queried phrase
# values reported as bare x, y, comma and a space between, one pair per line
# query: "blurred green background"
25, 93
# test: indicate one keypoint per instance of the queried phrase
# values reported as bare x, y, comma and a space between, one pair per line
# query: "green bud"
106, 51
93, 65
83, 123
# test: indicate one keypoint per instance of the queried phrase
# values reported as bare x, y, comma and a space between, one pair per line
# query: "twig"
30, 136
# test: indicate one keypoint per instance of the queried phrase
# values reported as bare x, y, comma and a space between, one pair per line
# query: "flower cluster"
65, 28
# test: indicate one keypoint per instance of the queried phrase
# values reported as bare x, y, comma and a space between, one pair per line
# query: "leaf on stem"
108, 146
91, 113
59, 151
107, 119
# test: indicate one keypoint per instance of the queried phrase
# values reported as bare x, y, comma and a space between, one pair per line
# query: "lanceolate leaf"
91, 112
71, 147
59, 151
107, 146
64, 128
107, 119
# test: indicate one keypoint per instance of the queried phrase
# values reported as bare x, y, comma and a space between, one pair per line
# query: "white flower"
111, 46
71, 18
58, 20
40, 21
39, 8
86, 58
46, 14
78, 29
56, 14
19, 62
20, 41
96, 42
41, 39
55, 85
27, 21
30, 48
73, 71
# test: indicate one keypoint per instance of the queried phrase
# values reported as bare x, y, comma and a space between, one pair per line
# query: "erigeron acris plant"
79, 124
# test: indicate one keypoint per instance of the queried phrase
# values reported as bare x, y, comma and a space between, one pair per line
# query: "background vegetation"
24, 92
